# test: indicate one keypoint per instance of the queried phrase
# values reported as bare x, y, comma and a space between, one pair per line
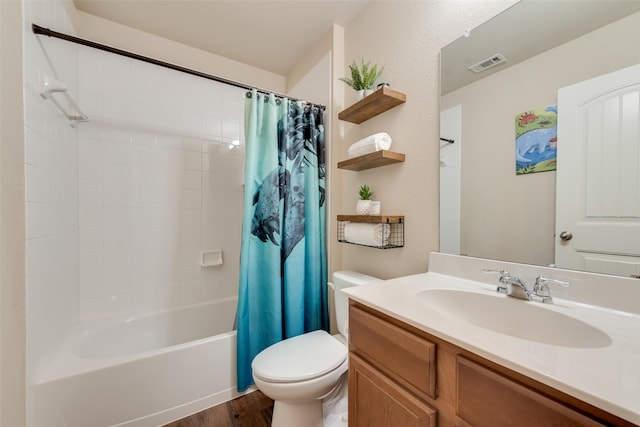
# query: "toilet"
297, 373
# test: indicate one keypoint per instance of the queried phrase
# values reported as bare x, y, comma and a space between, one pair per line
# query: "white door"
598, 176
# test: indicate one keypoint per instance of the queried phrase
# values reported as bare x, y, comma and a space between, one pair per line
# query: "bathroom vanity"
438, 350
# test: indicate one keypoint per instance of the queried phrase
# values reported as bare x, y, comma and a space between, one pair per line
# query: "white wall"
406, 37
494, 199
12, 220
127, 38
160, 181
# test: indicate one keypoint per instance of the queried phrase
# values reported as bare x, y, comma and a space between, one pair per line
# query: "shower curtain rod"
37, 29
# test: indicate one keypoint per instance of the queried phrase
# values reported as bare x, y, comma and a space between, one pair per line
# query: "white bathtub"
141, 372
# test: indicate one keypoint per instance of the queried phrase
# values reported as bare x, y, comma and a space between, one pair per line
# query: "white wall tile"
212, 124
168, 88
91, 309
143, 300
89, 150
117, 196
51, 175
191, 293
90, 173
191, 180
231, 129
117, 153
192, 161
211, 284
116, 305
147, 209
90, 218
118, 283
170, 297
188, 143
212, 236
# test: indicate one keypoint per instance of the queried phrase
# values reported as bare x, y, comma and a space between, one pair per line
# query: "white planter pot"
364, 92
374, 208
362, 207
368, 207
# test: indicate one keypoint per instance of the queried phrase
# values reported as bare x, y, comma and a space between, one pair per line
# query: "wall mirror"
529, 53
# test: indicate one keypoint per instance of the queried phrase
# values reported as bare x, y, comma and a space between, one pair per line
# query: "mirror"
487, 210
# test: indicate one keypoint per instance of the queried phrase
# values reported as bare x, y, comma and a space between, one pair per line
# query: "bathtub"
144, 371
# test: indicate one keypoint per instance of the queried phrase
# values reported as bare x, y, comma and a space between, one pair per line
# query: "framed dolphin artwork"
536, 140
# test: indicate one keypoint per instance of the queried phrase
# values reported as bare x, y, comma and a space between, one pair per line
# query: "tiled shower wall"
51, 181
160, 181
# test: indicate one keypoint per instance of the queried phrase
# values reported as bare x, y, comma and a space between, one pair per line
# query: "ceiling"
524, 30
268, 34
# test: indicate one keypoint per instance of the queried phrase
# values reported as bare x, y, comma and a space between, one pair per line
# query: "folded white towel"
370, 144
367, 234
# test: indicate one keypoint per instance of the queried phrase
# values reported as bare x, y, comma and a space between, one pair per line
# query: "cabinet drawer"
376, 401
407, 358
486, 398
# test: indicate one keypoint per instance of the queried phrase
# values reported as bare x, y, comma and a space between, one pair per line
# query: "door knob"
566, 236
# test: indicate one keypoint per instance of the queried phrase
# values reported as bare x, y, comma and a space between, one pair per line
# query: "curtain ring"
248, 95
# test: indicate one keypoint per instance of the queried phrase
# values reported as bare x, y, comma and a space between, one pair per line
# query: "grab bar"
49, 86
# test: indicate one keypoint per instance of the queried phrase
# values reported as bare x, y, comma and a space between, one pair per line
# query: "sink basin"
515, 317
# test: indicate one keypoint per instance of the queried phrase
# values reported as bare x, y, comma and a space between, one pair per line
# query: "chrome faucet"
515, 287
512, 286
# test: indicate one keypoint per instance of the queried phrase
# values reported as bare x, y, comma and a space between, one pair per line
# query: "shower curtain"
283, 263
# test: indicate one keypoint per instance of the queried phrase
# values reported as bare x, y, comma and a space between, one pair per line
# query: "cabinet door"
488, 399
402, 355
377, 401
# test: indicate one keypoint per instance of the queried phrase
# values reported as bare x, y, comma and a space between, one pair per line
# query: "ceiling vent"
485, 64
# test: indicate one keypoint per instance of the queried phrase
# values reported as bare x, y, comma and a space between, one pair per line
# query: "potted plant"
362, 206
363, 77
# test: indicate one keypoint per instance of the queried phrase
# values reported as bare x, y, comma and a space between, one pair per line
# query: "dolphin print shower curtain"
283, 264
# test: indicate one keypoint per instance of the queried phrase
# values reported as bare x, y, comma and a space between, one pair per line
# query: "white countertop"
606, 377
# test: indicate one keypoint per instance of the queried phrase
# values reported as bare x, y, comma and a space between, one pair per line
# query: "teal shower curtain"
283, 263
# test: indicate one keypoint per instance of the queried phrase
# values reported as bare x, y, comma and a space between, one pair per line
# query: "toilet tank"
343, 280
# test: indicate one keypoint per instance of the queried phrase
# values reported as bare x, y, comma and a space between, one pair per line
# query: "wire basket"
395, 238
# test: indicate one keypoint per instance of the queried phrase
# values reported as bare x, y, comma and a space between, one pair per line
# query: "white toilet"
299, 372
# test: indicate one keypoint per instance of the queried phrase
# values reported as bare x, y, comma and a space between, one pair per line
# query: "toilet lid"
299, 358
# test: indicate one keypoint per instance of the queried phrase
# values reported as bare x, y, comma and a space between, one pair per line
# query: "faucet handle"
541, 288
504, 275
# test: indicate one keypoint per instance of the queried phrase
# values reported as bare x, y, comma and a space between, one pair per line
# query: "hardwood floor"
251, 410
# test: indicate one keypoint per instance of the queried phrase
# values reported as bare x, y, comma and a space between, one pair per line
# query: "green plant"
365, 193
363, 76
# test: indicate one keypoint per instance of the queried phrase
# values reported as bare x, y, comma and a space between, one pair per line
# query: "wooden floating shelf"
370, 106
372, 160
375, 219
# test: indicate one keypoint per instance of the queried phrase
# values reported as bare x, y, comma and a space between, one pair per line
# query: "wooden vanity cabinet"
376, 400
392, 373
488, 399
401, 376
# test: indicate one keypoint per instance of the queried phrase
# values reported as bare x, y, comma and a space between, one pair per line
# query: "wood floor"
251, 410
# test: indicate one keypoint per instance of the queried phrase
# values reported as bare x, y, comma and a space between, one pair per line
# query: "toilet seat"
300, 358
